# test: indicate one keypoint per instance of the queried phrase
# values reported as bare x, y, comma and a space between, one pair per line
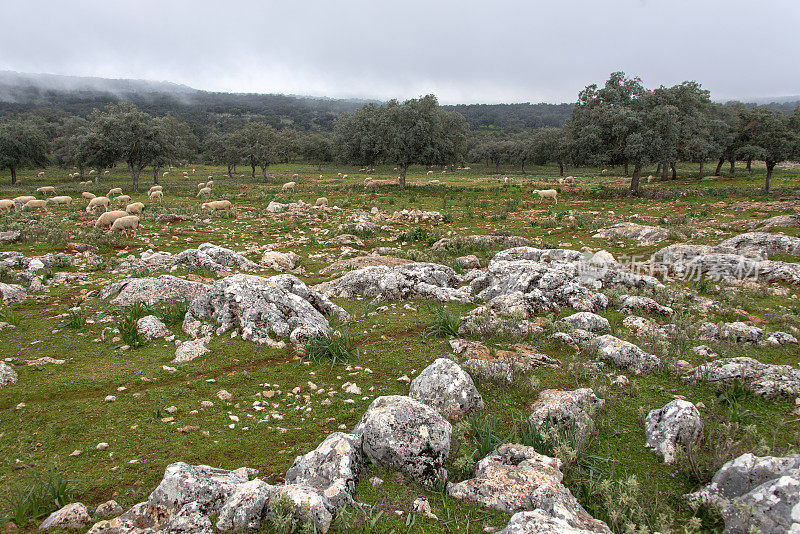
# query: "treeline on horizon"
621, 123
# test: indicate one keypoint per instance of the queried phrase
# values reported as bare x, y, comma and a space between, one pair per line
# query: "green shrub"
444, 323
38, 495
173, 314
334, 347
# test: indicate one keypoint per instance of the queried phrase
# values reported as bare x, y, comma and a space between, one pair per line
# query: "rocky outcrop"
739, 332
765, 380
12, 293
332, 468
445, 387
516, 478
764, 243
625, 354
8, 375
755, 494
247, 507
642, 234
405, 434
676, 423
263, 308
591, 322
214, 258
554, 407
489, 371
150, 291
788, 221
491, 241
364, 261
189, 350
279, 261
73, 515
409, 281
540, 522
635, 305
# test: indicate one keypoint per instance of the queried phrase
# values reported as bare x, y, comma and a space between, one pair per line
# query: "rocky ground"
452, 358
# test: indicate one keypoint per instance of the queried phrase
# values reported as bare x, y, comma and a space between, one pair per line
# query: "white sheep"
36, 204
122, 200
41, 174
204, 192
92, 172
210, 183
46, 189
201, 185
88, 196
107, 219
289, 186
97, 202
114, 191
134, 208
23, 199
7, 205
156, 195
60, 200
105, 172
155, 188
123, 224
430, 172
547, 193
217, 205
321, 201
295, 176
165, 173
344, 176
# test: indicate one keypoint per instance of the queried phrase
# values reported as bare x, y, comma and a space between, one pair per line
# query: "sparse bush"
173, 314
334, 347
444, 323
38, 495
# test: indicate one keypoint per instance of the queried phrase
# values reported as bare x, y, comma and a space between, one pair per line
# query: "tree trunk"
560, 168
700, 175
664, 171
719, 166
749, 161
234, 167
13, 175
319, 167
768, 182
637, 173
80, 170
497, 167
253, 172
403, 169
264, 169
733, 166
134, 176
658, 169
674, 172
523, 166
156, 170
626, 168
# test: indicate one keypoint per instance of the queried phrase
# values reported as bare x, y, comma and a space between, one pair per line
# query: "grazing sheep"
96, 202
88, 196
295, 176
154, 188
41, 174
204, 192
217, 205
123, 224
570, 180
46, 189
344, 176
649, 178
547, 193
36, 204
105, 172
320, 176
604, 171
122, 200
339, 174
201, 185
23, 199
430, 172
321, 201
7, 205
156, 195
434, 182
289, 186
114, 191
60, 200
134, 208
164, 173
210, 183
107, 219
92, 172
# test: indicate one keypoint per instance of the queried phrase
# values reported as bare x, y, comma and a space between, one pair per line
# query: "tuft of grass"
444, 323
484, 429
38, 495
9, 315
334, 347
174, 313
75, 319
128, 329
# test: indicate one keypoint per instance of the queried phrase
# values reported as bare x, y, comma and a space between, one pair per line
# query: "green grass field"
54, 410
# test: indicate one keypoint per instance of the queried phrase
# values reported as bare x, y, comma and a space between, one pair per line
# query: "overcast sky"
463, 51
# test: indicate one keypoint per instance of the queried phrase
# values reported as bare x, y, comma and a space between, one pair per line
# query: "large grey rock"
409, 281
150, 291
625, 354
540, 522
214, 258
192, 518
755, 493
591, 322
642, 234
183, 484
332, 468
189, 350
764, 243
516, 478
281, 306
73, 515
445, 387
678, 422
558, 407
491, 241
789, 221
10, 236
765, 380
359, 262
151, 327
149, 261
408, 435
12, 292
8, 375
310, 506
635, 305
247, 508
